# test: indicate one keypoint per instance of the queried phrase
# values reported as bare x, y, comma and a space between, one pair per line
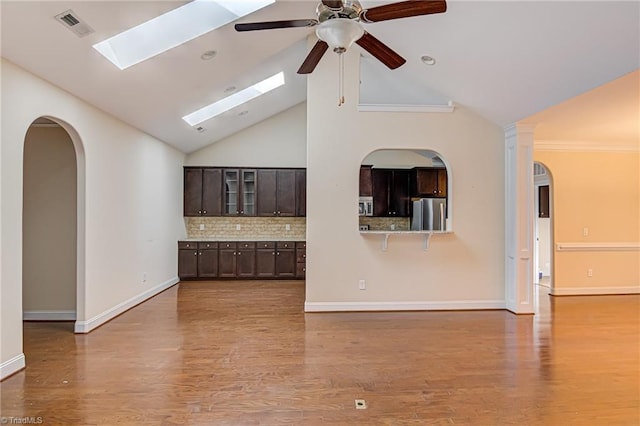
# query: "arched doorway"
543, 227
53, 222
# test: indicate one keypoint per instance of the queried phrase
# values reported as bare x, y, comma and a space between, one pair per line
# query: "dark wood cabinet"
187, 260
227, 260
246, 260
366, 184
197, 259
265, 259
242, 259
210, 191
301, 259
543, 201
301, 192
390, 192
239, 192
202, 191
207, 260
429, 182
285, 259
276, 192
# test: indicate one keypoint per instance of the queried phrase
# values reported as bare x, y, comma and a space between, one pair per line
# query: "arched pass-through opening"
53, 222
405, 190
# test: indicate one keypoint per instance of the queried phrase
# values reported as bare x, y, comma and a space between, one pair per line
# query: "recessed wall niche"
403, 190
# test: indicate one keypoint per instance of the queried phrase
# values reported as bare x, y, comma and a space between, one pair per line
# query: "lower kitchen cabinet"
301, 259
285, 259
197, 259
241, 260
246, 260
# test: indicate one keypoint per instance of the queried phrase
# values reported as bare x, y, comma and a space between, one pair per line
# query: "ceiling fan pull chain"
341, 78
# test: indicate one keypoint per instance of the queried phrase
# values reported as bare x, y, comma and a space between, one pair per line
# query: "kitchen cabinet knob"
239, 253
234, 253
273, 253
241, 211
195, 254
304, 255
278, 212
274, 213
278, 253
204, 211
199, 211
200, 254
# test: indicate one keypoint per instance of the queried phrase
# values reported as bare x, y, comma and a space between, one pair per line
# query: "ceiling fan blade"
403, 9
333, 4
381, 51
312, 59
254, 26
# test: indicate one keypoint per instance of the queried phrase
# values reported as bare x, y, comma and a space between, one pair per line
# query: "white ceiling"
507, 60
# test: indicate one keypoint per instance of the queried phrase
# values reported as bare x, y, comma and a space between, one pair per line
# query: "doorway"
543, 227
50, 228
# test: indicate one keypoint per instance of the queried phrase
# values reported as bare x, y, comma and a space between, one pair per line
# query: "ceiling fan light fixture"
339, 33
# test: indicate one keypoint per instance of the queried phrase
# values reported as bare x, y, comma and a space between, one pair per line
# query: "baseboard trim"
12, 366
455, 305
593, 291
49, 315
100, 319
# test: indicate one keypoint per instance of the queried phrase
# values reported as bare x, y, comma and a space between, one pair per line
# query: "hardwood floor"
244, 353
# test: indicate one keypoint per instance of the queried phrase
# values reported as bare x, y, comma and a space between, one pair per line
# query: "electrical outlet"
237, 227
585, 232
202, 226
144, 277
362, 284
287, 227
589, 272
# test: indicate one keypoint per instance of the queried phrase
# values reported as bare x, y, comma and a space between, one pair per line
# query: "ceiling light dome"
339, 33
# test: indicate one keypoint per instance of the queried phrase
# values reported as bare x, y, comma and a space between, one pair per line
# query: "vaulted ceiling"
507, 60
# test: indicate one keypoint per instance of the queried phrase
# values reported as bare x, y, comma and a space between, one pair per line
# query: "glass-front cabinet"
240, 192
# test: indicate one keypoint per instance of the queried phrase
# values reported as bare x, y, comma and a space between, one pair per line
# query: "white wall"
130, 202
464, 269
279, 141
49, 224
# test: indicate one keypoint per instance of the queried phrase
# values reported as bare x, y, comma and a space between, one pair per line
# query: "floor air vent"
70, 20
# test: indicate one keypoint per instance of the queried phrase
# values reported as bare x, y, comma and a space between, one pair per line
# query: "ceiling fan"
339, 26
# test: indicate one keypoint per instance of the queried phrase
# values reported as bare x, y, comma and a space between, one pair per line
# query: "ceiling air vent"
72, 21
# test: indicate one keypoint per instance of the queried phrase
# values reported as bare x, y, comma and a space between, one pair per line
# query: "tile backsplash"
386, 223
260, 228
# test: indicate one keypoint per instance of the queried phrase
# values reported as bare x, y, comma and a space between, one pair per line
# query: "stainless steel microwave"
365, 206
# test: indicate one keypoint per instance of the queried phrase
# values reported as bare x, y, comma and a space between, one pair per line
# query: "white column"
519, 219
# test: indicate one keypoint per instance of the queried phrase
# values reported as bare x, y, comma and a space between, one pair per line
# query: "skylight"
174, 28
234, 100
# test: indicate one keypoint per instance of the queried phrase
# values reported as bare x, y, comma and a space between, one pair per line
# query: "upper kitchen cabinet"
301, 192
239, 192
366, 187
202, 191
276, 192
429, 182
390, 192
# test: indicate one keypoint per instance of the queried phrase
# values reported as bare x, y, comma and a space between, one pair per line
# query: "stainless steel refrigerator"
429, 214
